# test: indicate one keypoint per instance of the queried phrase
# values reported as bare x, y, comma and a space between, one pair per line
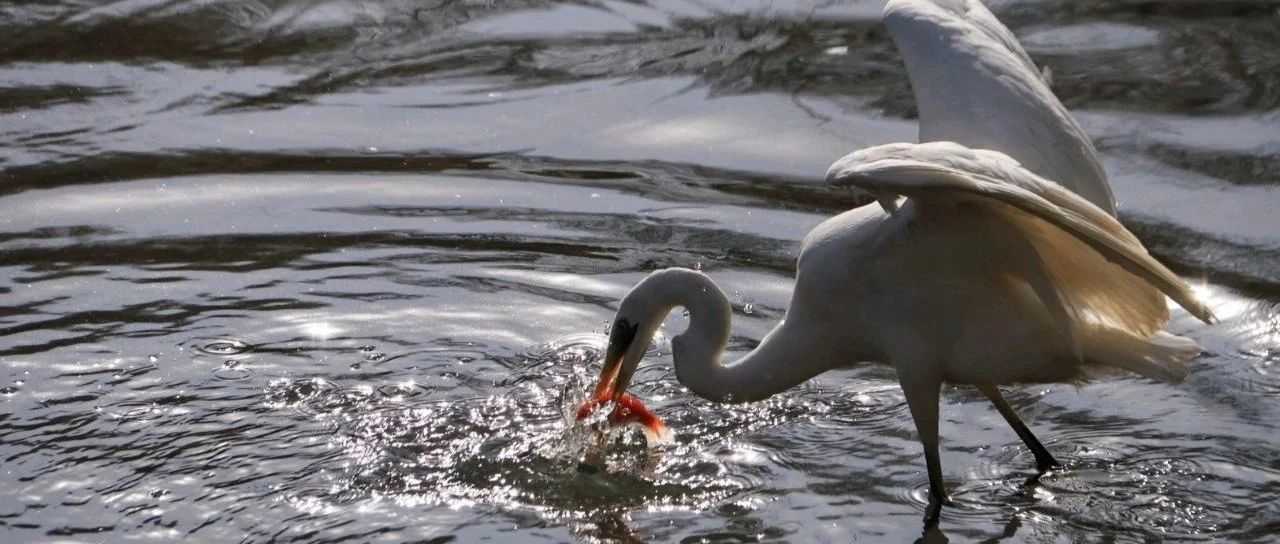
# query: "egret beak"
607, 388
615, 377
612, 388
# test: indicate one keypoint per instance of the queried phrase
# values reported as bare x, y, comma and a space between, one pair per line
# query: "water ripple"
518, 450
361, 323
1148, 491
219, 347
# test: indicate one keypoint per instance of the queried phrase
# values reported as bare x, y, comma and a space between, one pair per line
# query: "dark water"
326, 271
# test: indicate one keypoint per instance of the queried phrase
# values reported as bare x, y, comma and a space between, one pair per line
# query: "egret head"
629, 338
639, 315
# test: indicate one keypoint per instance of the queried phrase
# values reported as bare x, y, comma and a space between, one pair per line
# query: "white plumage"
993, 257
975, 85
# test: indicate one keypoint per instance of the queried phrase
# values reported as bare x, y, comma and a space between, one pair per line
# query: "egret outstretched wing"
1103, 272
976, 86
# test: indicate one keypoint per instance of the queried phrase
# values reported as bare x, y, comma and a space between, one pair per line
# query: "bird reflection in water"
608, 526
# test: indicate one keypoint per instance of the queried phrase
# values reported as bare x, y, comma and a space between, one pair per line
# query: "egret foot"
933, 511
1044, 460
932, 535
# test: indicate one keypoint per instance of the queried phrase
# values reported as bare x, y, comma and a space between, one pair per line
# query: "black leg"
937, 490
1044, 460
922, 399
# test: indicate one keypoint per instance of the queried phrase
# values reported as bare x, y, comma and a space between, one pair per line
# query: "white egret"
992, 258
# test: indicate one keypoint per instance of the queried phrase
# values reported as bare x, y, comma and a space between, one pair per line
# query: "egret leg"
922, 399
1044, 460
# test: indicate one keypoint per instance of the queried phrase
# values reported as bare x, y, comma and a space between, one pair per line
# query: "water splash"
519, 449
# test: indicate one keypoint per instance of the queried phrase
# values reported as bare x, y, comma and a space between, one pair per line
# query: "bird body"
970, 318
973, 269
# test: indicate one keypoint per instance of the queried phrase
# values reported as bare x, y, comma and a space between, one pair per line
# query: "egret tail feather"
1163, 356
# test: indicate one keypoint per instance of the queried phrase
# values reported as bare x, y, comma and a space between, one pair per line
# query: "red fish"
628, 410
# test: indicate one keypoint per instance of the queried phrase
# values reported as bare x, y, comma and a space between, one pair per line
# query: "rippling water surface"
289, 270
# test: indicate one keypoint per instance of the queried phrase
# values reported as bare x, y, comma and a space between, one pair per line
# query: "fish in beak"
619, 367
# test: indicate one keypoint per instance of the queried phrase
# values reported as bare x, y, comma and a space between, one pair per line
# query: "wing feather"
1112, 278
974, 84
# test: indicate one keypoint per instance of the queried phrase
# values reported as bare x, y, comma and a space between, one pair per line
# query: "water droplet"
153, 358
367, 348
19, 383
748, 308
355, 366
232, 370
